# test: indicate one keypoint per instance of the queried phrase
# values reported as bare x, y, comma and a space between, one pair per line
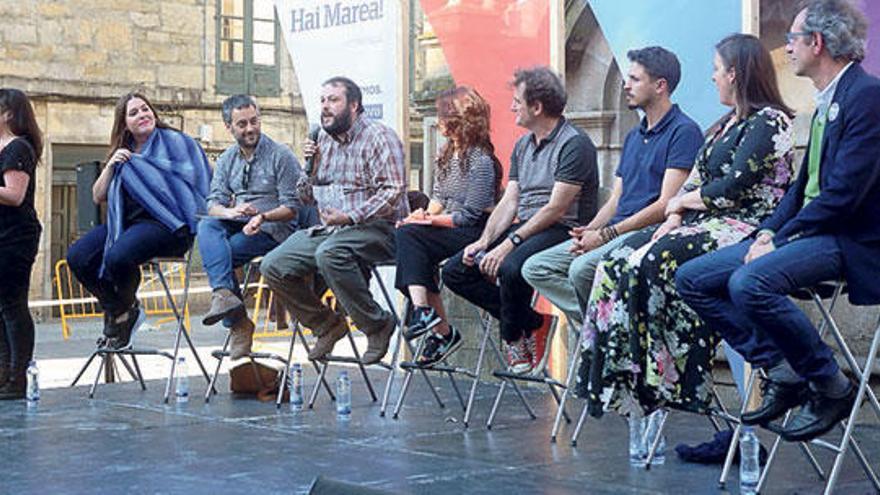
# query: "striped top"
467, 194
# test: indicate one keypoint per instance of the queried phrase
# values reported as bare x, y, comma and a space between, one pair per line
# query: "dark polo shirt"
672, 143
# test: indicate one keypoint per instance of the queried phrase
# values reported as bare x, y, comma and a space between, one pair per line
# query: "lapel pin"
833, 112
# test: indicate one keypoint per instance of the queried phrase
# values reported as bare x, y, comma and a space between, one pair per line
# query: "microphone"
314, 129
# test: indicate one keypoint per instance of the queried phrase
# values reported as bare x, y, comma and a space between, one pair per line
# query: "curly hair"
844, 28
542, 85
465, 116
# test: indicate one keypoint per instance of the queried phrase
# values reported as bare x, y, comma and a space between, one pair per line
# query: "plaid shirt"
367, 162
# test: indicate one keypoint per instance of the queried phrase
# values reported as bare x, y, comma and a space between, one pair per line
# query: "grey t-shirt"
566, 155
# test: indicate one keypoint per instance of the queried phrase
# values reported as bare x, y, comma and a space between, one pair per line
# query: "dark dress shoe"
778, 398
818, 416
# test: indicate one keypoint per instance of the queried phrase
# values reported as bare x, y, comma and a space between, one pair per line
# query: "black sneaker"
127, 328
422, 319
439, 347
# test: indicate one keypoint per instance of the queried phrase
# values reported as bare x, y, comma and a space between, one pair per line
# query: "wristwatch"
515, 239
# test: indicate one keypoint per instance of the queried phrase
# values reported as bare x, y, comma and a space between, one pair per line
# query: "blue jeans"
749, 304
138, 243
225, 247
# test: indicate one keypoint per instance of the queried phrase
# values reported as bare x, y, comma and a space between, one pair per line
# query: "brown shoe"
241, 338
327, 340
223, 305
377, 343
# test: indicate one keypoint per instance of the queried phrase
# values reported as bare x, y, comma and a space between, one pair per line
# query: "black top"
133, 210
18, 155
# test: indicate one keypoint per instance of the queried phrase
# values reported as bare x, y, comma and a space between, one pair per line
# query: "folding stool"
107, 365
251, 268
817, 294
374, 271
443, 366
511, 378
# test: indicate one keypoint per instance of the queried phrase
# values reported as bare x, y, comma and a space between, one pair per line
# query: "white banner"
358, 39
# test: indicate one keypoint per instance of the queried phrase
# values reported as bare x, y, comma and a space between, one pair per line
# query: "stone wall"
74, 58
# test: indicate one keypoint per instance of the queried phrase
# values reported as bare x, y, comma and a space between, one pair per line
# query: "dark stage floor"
126, 441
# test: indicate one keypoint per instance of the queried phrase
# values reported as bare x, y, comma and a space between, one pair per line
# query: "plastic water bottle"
655, 420
637, 450
294, 383
343, 395
749, 467
181, 389
32, 392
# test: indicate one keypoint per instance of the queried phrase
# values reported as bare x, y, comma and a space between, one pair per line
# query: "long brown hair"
465, 114
755, 85
22, 122
120, 136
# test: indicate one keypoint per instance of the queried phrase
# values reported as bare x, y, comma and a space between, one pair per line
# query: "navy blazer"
848, 206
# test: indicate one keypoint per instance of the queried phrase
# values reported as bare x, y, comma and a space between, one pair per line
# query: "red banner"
484, 42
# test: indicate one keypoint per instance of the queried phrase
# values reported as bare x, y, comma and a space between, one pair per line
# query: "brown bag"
256, 379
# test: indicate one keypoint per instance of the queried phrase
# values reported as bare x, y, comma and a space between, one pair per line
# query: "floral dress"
643, 346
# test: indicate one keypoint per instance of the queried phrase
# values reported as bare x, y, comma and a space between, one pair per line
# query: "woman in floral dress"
643, 347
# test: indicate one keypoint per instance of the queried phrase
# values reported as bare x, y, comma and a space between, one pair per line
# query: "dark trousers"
749, 304
510, 301
421, 248
137, 244
16, 324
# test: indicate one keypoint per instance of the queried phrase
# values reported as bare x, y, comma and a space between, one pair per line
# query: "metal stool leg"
513, 383
495, 404
137, 369
285, 375
84, 367
361, 366
101, 367
556, 397
457, 391
573, 358
580, 424
863, 391
298, 330
407, 379
655, 442
485, 326
213, 381
734, 441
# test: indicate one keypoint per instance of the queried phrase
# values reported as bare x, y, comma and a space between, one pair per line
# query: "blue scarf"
170, 178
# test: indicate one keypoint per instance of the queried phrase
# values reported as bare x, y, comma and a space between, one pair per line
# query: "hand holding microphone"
310, 149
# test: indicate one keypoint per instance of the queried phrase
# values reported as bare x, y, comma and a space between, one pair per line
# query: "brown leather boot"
327, 339
377, 343
241, 338
224, 303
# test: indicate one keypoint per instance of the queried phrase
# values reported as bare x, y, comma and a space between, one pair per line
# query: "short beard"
341, 123
242, 142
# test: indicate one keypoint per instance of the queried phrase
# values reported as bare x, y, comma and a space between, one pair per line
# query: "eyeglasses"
790, 37
246, 175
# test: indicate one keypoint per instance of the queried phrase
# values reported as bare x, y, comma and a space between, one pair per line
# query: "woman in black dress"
21, 145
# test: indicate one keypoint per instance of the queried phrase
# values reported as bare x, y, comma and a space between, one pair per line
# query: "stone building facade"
76, 57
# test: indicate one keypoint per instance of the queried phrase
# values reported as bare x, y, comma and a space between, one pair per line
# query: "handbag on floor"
253, 378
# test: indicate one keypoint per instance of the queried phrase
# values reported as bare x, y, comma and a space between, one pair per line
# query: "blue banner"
689, 28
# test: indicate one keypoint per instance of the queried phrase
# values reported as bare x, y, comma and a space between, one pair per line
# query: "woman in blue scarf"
154, 183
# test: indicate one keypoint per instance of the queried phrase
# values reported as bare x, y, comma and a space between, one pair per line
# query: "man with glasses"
825, 228
252, 202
